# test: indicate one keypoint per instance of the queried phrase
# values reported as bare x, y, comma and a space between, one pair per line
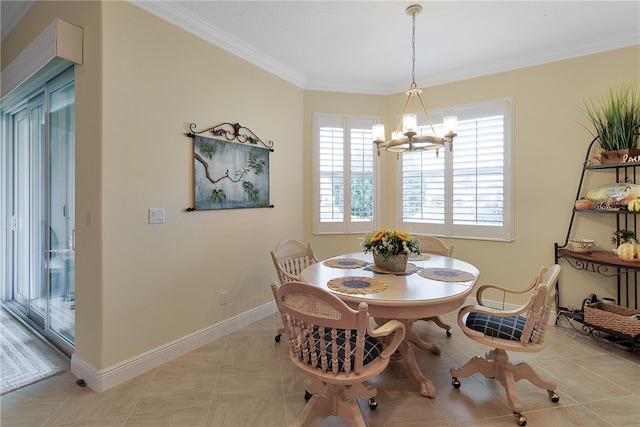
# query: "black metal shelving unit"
605, 263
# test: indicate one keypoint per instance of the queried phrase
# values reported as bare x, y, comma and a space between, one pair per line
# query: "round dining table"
431, 285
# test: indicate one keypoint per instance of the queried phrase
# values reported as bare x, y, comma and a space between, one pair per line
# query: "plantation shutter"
331, 168
464, 192
346, 161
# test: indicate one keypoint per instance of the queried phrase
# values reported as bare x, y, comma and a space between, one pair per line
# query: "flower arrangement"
387, 242
619, 237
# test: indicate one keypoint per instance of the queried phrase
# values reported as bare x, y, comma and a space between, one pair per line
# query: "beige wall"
162, 282
549, 148
141, 286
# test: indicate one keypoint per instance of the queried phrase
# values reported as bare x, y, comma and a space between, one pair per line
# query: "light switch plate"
156, 216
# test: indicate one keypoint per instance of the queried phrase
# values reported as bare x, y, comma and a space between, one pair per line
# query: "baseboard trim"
101, 380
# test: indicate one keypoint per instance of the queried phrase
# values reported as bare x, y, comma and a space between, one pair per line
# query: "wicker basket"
612, 317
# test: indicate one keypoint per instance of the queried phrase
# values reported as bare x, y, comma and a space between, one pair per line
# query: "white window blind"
465, 192
331, 164
346, 162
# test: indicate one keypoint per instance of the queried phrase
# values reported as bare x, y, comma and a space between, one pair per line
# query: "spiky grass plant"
616, 118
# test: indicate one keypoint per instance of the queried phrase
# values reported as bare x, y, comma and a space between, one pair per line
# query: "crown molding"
178, 16
560, 53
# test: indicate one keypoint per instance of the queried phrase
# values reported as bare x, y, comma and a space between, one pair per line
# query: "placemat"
411, 268
356, 285
421, 257
345, 263
446, 274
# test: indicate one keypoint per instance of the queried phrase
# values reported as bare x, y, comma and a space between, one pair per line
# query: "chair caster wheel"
553, 396
277, 338
373, 404
455, 382
448, 333
520, 419
307, 395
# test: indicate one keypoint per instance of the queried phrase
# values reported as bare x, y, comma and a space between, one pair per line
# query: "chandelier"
405, 137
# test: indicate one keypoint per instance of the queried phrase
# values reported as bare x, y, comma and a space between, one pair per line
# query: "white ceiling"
365, 46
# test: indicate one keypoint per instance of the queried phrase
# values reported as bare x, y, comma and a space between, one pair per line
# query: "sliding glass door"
40, 141
60, 211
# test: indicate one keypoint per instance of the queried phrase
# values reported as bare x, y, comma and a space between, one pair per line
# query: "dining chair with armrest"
519, 330
289, 259
433, 245
335, 348
502, 291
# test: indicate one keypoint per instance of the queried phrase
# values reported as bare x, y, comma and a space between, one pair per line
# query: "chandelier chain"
413, 48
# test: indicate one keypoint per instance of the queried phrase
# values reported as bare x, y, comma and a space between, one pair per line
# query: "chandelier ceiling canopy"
405, 137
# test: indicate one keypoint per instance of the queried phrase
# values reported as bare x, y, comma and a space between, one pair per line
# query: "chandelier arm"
424, 110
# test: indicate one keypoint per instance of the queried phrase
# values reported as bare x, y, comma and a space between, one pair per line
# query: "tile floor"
246, 379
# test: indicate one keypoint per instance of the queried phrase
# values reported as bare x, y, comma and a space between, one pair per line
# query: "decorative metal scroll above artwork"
231, 170
232, 132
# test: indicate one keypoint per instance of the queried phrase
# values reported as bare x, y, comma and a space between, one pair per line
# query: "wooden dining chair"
335, 349
435, 246
519, 330
289, 259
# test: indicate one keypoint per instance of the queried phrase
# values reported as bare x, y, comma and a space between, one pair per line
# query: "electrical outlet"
224, 297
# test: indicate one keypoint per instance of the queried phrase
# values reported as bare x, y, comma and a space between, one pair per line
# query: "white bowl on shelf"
580, 245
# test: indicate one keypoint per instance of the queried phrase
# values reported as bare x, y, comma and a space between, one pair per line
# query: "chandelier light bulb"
378, 132
409, 124
450, 124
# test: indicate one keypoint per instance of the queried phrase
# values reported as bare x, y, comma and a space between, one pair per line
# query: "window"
345, 161
465, 192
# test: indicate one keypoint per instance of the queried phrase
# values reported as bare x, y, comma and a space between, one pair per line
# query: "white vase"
397, 263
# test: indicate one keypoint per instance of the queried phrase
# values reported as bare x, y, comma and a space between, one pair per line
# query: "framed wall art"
231, 169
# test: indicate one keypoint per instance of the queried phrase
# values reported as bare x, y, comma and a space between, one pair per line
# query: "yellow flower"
403, 235
378, 235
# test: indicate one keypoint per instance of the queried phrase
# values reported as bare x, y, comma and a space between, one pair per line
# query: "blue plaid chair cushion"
372, 347
507, 328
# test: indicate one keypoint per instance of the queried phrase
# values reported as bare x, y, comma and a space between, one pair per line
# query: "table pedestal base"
414, 339
427, 389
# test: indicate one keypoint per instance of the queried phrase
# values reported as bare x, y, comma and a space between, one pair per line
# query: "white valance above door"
60, 42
